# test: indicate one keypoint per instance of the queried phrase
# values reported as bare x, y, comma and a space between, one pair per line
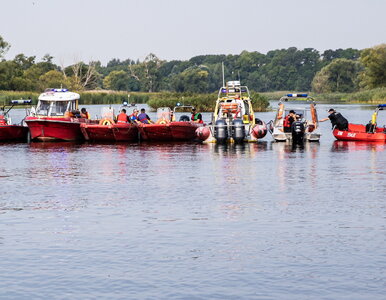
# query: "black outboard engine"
297, 130
238, 131
221, 131
184, 118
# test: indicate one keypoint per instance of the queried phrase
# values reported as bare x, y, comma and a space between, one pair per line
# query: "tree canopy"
339, 70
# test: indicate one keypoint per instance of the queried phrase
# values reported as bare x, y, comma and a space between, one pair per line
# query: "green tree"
118, 81
53, 79
374, 62
4, 47
338, 76
192, 80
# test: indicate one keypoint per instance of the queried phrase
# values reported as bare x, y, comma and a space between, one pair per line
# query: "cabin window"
58, 108
42, 108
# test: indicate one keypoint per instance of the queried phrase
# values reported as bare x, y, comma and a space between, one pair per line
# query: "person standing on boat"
143, 117
134, 116
288, 120
196, 117
122, 117
337, 120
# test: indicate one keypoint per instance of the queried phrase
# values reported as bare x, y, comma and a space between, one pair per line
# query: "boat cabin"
234, 102
57, 103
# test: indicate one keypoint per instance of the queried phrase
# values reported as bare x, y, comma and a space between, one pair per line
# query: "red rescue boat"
166, 129
368, 133
9, 131
109, 131
56, 117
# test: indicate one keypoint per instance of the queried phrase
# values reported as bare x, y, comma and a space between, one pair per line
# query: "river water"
192, 221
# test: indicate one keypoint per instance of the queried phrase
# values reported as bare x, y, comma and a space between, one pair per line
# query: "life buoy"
280, 111
162, 121
106, 121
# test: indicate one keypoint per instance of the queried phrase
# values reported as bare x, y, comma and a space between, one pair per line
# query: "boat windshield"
54, 108
58, 108
42, 108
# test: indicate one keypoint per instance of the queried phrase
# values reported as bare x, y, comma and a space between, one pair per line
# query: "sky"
88, 30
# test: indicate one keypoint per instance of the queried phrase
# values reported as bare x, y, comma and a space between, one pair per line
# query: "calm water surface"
191, 221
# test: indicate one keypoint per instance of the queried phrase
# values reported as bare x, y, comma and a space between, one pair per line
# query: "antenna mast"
223, 77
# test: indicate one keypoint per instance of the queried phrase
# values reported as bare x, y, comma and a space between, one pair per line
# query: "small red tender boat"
165, 129
9, 131
368, 133
54, 118
113, 132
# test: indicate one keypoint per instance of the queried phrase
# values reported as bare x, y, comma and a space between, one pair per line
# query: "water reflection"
351, 146
237, 150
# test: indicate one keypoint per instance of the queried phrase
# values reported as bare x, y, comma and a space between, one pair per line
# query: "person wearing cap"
196, 117
337, 120
288, 120
134, 116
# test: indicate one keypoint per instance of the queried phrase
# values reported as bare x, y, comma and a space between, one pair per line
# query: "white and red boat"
367, 133
55, 117
233, 119
167, 129
9, 131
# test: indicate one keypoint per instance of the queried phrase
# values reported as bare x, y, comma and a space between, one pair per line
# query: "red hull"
110, 133
50, 129
13, 132
174, 131
357, 132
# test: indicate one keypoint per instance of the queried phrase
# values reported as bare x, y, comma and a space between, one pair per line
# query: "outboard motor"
221, 131
238, 131
184, 118
297, 131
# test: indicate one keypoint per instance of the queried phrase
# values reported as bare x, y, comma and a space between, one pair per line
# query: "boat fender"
259, 130
280, 111
106, 121
314, 115
203, 133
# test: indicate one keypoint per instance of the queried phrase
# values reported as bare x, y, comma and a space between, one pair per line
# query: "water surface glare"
191, 221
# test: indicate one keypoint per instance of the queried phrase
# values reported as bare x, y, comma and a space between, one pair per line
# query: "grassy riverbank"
203, 102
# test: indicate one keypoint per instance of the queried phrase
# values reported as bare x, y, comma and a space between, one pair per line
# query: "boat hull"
357, 132
173, 131
110, 133
46, 130
13, 133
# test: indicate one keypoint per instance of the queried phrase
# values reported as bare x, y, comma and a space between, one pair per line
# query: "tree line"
340, 70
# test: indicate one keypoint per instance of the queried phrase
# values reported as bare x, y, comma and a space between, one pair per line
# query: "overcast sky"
73, 30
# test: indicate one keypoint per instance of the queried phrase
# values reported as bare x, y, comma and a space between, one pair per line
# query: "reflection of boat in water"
350, 146
368, 133
9, 131
53, 118
108, 130
167, 129
233, 118
303, 128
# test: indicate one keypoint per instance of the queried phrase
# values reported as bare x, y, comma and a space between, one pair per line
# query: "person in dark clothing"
143, 117
337, 120
288, 120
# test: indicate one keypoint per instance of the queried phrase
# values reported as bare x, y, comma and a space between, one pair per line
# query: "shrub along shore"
203, 102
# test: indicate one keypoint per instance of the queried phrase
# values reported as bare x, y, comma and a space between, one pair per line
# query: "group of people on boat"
144, 118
